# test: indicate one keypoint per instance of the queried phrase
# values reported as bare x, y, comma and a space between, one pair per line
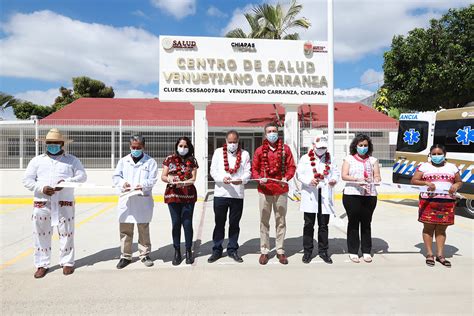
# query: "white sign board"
208, 69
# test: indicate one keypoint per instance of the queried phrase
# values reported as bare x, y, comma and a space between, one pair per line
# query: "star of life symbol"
465, 135
411, 136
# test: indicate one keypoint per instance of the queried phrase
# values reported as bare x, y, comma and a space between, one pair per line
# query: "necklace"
327, 167
226, 161
179, 170
280, 163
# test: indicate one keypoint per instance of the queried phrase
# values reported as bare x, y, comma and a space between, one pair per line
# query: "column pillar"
200, 146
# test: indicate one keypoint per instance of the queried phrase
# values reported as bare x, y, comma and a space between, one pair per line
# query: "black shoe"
123, 263
177, 257
214, 257
307, 258
234, 255
189, 257
326, 258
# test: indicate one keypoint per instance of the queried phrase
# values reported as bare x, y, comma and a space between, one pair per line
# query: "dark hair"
232, 131
271, 124
137, 138
438, 146
359, 138
190, 147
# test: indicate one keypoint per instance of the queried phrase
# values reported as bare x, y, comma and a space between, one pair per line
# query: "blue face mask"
362, 150
53, 149
437, 159
136, 152
272, 137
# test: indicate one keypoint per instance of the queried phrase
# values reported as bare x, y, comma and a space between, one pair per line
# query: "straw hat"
54, 135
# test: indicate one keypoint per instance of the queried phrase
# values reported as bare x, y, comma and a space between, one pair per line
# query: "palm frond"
236, 33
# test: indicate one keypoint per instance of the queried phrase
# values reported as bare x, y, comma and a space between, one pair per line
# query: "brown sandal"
443, 261
430, 260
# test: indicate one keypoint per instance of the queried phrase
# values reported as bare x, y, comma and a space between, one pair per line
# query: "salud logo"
308, 48
169, 44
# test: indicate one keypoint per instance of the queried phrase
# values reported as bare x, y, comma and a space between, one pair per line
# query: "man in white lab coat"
230, 169
53, 206
318, 174
135, 173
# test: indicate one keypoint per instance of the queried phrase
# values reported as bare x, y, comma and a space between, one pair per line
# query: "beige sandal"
367, 257
354, 258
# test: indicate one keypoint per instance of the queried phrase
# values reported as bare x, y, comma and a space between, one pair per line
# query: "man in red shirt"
274, 165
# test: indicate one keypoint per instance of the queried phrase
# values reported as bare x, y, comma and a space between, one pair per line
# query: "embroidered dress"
178, 167
437, 208
361, 169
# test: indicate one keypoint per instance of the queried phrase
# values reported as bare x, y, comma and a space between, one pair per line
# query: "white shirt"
138, 208
309, 193
356, 170
45, 170
442, 177
218, 173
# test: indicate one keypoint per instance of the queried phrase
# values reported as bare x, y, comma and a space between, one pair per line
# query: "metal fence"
383, 137
98, 143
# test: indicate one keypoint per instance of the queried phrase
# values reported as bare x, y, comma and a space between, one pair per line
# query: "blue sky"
43, 44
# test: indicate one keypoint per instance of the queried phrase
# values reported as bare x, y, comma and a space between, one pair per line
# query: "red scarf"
226, 161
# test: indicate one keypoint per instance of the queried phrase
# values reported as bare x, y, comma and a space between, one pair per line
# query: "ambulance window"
455, 135
412, 136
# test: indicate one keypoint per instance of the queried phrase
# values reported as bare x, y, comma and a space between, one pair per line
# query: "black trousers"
359, 210
323, 231
222, 205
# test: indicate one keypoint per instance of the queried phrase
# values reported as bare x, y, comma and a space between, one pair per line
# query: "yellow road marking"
29, 251
11, 209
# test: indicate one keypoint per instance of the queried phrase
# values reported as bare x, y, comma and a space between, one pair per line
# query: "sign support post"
200, 146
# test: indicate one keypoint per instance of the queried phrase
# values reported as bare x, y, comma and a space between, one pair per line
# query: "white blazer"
309, 193
137, 208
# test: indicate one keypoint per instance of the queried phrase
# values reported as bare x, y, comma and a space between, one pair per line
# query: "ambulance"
453, 128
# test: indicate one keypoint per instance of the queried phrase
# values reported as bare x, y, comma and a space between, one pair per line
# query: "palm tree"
268, 21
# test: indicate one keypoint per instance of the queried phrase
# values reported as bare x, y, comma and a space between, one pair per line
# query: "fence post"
22, 143
36, 138
347, 138
120, 138
112, 149
192, 132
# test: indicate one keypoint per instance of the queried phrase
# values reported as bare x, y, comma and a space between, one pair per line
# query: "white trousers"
43, 232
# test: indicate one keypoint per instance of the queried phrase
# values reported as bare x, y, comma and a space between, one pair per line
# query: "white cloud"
134, 94
371, 79
42, 97
351, 95
362, 26
215, 12
177, 8
238, 20
48, 46
141, 14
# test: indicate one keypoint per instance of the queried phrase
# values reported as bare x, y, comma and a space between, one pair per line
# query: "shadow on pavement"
449, 251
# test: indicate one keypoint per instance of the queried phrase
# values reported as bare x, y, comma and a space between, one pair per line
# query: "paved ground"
397, 282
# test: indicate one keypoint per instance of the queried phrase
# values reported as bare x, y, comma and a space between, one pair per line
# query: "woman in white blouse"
361, 170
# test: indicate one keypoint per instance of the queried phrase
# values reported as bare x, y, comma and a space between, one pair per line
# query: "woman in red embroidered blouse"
436, 209
179, 171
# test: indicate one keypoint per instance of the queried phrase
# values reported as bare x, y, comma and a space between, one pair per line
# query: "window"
454, 135
412, 136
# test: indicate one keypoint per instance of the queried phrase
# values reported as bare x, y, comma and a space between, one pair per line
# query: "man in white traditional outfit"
318, 175
135, 176
53, 206
230, 169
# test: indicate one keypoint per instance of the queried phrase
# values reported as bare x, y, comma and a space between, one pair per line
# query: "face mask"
136, 152
232, 147
320, 151
183, 151
362, 150
53, 149
272, 137
437, 159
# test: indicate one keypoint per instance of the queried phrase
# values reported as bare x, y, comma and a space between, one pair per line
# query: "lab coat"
309, 193
138, 208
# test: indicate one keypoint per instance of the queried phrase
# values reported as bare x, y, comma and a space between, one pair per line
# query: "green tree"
270, 21
83, 87
24, 109
433, 68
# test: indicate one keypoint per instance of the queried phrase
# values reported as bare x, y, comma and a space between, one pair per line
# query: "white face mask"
320, 151
183, 151
272, 137
232, 147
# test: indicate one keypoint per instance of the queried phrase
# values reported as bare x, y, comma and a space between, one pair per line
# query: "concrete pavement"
397, 282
